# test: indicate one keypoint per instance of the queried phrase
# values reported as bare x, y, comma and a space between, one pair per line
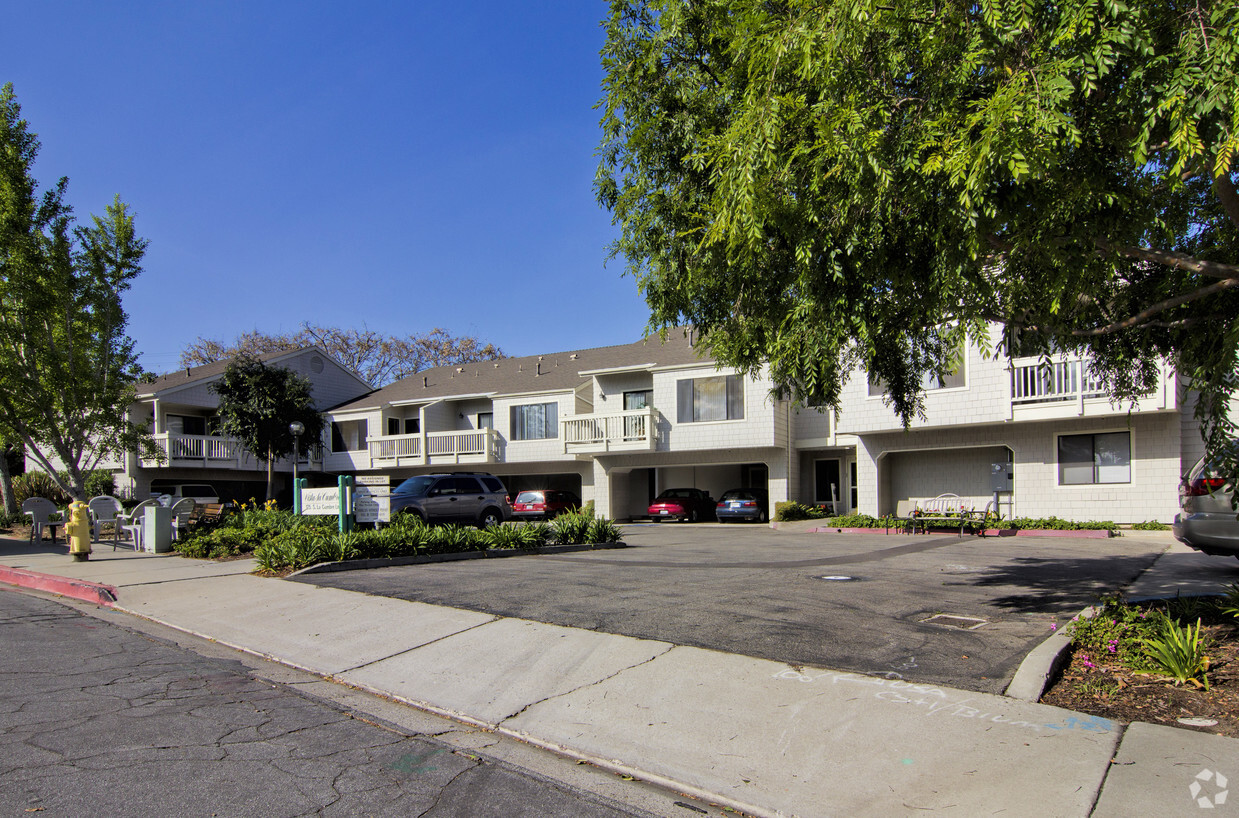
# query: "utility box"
1002, 477
157, 529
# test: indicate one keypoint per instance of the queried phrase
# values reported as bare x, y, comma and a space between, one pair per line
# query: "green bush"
504, 537
602, 530
786, 512
570, 529
1055, 524
100, 482
38, 484
1150, 525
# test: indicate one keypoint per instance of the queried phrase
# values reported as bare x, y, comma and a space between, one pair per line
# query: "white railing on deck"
211, 450
475, 443
1038, 381
634, 429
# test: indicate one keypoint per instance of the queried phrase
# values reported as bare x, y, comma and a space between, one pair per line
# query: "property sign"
371, 480
320, 501
371, 504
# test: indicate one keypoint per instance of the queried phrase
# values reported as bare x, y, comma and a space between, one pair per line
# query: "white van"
202, 493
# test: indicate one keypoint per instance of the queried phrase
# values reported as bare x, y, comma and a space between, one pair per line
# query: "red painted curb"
76, 588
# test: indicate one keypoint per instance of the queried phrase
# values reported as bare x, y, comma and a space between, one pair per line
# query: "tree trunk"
6, 483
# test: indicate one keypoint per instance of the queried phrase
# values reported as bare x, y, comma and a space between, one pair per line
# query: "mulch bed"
1116, 692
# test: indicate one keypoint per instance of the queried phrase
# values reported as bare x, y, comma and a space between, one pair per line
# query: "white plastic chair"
132, 522
104, 509
182, 510
39, 509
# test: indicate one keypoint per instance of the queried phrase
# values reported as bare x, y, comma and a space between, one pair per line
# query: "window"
486, 420
348, 436
717, 398
1088, 459
535, 421
952, 379
642, 399
185, 424
411, 426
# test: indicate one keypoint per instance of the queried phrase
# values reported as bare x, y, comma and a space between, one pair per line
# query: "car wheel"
722, 520
489, 518
762, 517
692, 516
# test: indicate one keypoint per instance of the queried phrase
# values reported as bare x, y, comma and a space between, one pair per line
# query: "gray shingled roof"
205, 372
533, 373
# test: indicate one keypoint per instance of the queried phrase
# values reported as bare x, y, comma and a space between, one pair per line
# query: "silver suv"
464, 497
1208, 521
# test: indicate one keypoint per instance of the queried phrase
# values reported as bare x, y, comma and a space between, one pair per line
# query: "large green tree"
67, 368
826, 185
258, 403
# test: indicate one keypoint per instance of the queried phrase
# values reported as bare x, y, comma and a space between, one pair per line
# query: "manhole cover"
962, 623
838, 578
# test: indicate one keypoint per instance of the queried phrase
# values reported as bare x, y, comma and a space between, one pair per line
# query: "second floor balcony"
211, 452
435, 448
1062, 387
634, 430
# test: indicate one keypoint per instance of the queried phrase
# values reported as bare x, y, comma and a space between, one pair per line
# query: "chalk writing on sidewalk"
935, 702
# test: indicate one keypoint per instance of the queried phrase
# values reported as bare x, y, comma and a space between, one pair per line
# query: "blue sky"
399, 165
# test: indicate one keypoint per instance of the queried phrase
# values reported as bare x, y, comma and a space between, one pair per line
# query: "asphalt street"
858, 602
97, 719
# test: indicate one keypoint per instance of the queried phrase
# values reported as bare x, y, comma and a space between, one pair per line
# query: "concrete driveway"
859, 602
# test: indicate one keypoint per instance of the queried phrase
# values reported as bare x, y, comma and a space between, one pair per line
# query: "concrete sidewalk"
755, 735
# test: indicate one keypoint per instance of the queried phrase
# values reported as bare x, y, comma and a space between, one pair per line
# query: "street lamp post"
297, 428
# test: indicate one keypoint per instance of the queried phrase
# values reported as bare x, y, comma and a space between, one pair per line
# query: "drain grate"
959, 623
838, 578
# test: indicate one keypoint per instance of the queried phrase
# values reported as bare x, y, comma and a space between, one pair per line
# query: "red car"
541, 504
682, 504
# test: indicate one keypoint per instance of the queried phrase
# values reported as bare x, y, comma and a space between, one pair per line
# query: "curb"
75, 588
421, 559
1034, 673
1081, 533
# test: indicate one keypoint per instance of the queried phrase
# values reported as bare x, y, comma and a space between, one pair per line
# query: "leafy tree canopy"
377, 359
67, 368
258, 403
825, 184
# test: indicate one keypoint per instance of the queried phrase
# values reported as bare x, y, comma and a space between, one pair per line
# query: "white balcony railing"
473, 446
212, 451
1039, 381
633, 430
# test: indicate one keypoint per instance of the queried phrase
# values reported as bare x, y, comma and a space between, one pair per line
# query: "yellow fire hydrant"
77, 531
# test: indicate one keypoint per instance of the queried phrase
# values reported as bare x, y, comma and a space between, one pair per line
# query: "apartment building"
619, 424
180, 410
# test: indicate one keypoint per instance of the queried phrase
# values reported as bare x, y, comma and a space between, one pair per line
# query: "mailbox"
1002, 477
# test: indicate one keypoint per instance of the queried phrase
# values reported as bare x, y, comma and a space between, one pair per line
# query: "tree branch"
1180, 261
1144, 315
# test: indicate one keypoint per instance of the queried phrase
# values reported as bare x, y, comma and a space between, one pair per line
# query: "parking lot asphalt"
858, 602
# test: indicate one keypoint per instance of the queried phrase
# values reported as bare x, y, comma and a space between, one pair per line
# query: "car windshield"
414, 485
529, 497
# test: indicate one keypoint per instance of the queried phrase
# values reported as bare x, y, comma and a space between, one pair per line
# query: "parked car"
1208, 520
202, 493
543, 504
463, 497
743, 504
682, 504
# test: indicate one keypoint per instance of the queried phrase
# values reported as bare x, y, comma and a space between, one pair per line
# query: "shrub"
38, 484
1179, 652
570, 529
100, 482
503, 537
534, 535
603, 530
1150, 525
786, 512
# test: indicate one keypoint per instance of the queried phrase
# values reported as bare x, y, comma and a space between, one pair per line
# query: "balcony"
434, 448
1061, 388
632, 431
211, 452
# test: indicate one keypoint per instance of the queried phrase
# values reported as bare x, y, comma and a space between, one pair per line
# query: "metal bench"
945, 509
